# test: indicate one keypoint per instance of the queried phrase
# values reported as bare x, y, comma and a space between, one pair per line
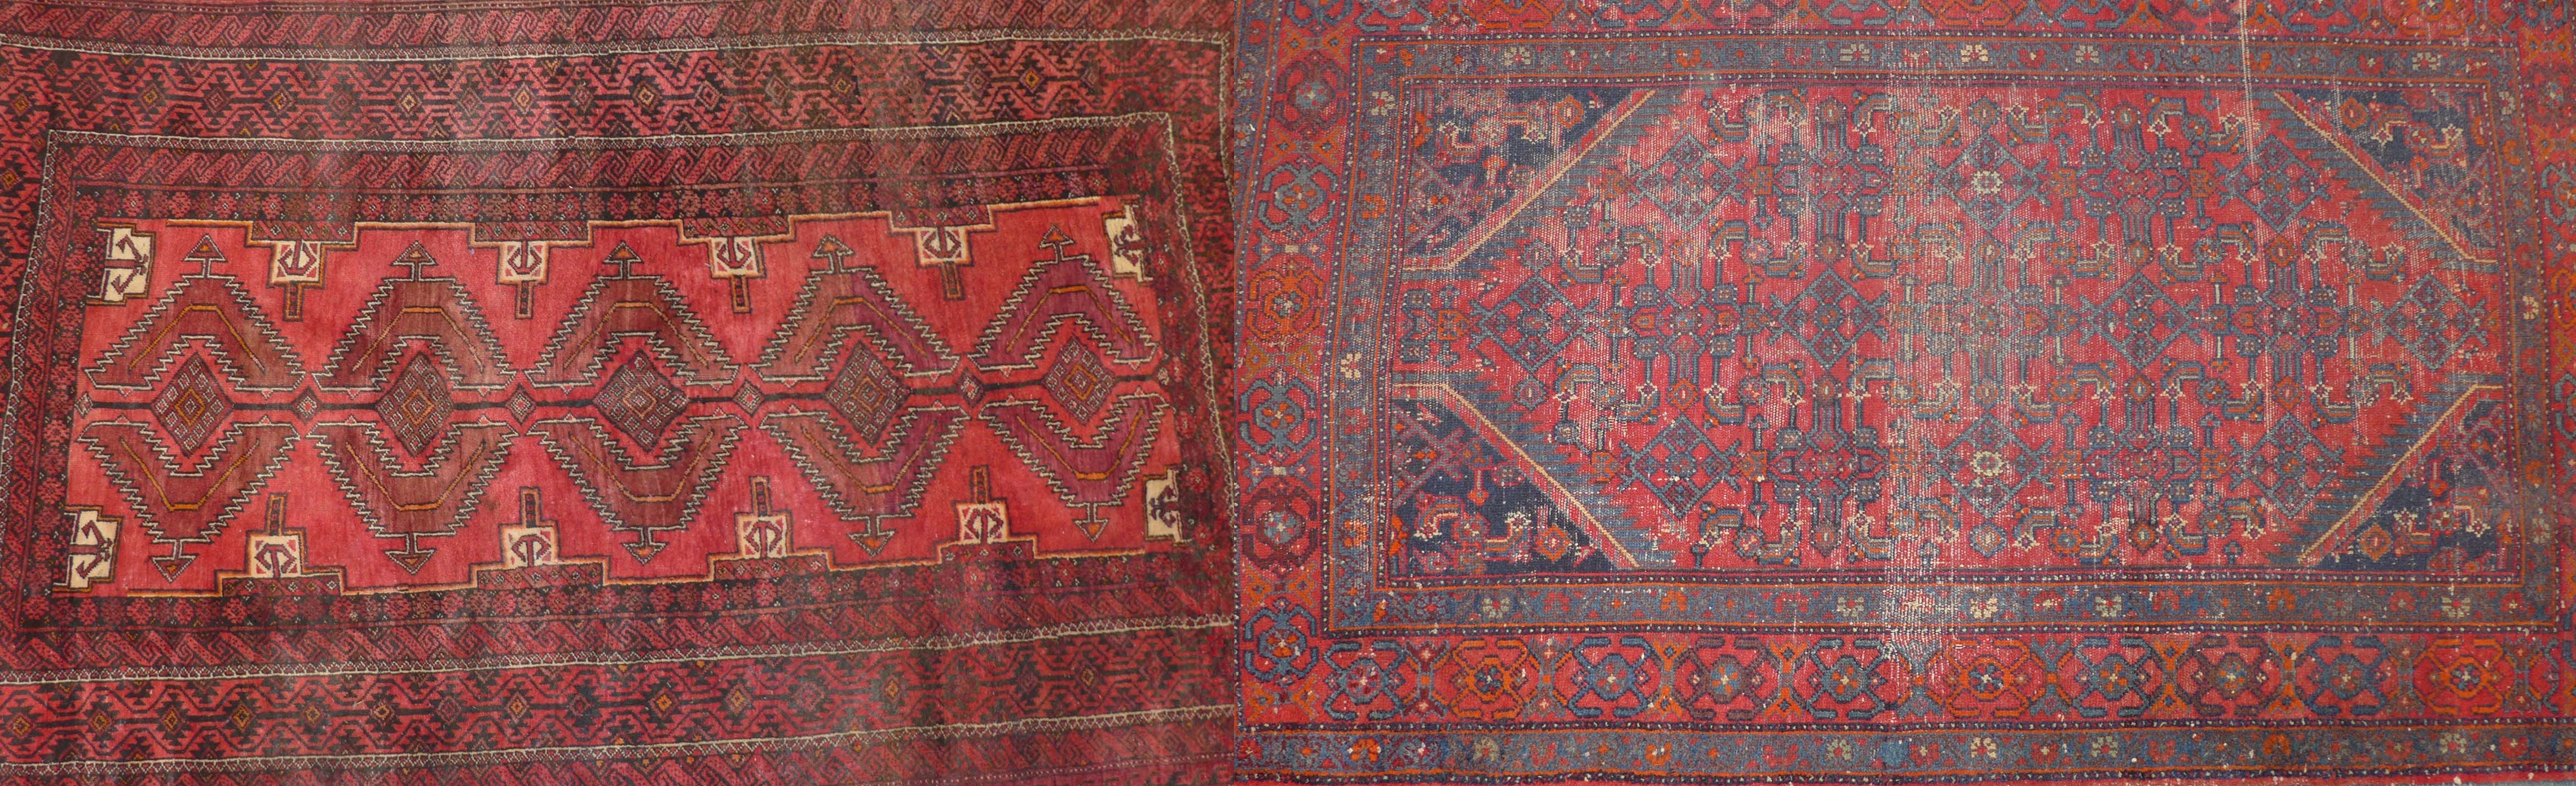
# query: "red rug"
604, 393
1736, 391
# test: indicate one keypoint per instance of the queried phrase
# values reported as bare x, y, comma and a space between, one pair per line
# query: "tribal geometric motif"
718, 392
1843, 328
1902, 393
205, 411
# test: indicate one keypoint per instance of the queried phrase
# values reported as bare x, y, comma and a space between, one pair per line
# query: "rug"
1925, 391
703, 392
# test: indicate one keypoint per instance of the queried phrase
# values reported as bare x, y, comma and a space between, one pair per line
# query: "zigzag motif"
1087, 473
178, 506
834, 304
645, 499
403, 477
450, 322
886, 480
1056, 292
643, 306
434, 500
187, 310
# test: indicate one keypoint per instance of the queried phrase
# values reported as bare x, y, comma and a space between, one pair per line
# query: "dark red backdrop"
417, 519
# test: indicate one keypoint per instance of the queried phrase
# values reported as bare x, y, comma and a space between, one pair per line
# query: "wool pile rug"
1645, 391
713, 391
1917, 391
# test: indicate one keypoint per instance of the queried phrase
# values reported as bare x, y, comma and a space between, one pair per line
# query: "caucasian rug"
702, 392
1933, 391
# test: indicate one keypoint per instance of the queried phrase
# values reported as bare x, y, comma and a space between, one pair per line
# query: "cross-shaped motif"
949, 244
530, 542
764, 530
831, 250
737, 261
416, 258
277, 552
91, 552
624, 259
943, 243
979, 520
296, 266
205, 255
1056, 241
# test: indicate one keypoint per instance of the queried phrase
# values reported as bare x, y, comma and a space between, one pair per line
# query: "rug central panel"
1773, 324
641, 403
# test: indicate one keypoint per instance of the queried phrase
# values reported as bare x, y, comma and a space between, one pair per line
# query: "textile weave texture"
1924, 391
532, 392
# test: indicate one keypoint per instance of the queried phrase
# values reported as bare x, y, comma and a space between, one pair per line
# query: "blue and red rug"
1913, 392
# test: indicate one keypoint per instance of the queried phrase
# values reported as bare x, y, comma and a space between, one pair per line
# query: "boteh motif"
1930, 393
